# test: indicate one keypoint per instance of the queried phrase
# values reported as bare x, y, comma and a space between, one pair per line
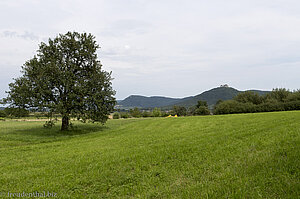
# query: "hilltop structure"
225, 85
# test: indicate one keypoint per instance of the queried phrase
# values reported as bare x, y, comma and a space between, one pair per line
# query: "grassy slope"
247, 155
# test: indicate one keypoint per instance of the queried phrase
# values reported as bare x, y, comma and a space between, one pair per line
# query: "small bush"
295, 96
16, 112
232, 106
49, 124
2, 113
135, 112
179, 110
249, 97
116, 115
292, 105
156, 112
164, 114
202, 110
124, 115
146, 114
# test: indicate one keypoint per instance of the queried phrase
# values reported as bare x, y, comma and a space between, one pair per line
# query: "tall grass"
232, 156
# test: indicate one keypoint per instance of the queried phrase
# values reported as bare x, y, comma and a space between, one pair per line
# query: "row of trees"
137, 113
14, 112
200, 109
279, 99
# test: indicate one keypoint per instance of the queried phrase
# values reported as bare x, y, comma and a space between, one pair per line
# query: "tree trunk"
65, 123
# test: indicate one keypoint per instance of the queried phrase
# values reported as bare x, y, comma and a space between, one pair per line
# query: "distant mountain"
2, 108
146, 102
211, 97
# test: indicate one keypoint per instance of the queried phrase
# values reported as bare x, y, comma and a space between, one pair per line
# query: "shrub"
292, 105
16, 112
295, 96
124, 115
116, 115
179, 110
225, 107
156, 112
232, 106
279, 94
164, 114
249, 97
248, 102
2, 113
135, 112
191, 110
202, 110
201, 103
146, 114
49, 124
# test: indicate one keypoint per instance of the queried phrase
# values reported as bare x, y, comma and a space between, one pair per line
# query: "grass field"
232, 156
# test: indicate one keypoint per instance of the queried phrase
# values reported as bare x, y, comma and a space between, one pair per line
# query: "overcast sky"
172, 48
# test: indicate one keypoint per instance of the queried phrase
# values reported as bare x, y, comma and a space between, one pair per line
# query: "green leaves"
279, 99
65, 77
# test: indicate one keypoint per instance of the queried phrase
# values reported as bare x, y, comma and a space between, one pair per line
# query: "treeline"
137, 113
14, 112
279, 99
200, 109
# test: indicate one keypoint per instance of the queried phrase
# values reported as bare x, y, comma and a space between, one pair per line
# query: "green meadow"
224, 156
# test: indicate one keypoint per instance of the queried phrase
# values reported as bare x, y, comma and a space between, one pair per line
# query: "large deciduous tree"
66, 77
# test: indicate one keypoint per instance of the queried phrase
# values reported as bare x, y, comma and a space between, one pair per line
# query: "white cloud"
175, 48
24, 35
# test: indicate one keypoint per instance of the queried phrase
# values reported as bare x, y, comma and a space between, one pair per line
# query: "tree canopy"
66, 77
279, 99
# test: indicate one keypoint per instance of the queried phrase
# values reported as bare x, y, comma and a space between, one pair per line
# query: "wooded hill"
210, 96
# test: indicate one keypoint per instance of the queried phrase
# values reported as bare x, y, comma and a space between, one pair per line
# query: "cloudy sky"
173, 48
